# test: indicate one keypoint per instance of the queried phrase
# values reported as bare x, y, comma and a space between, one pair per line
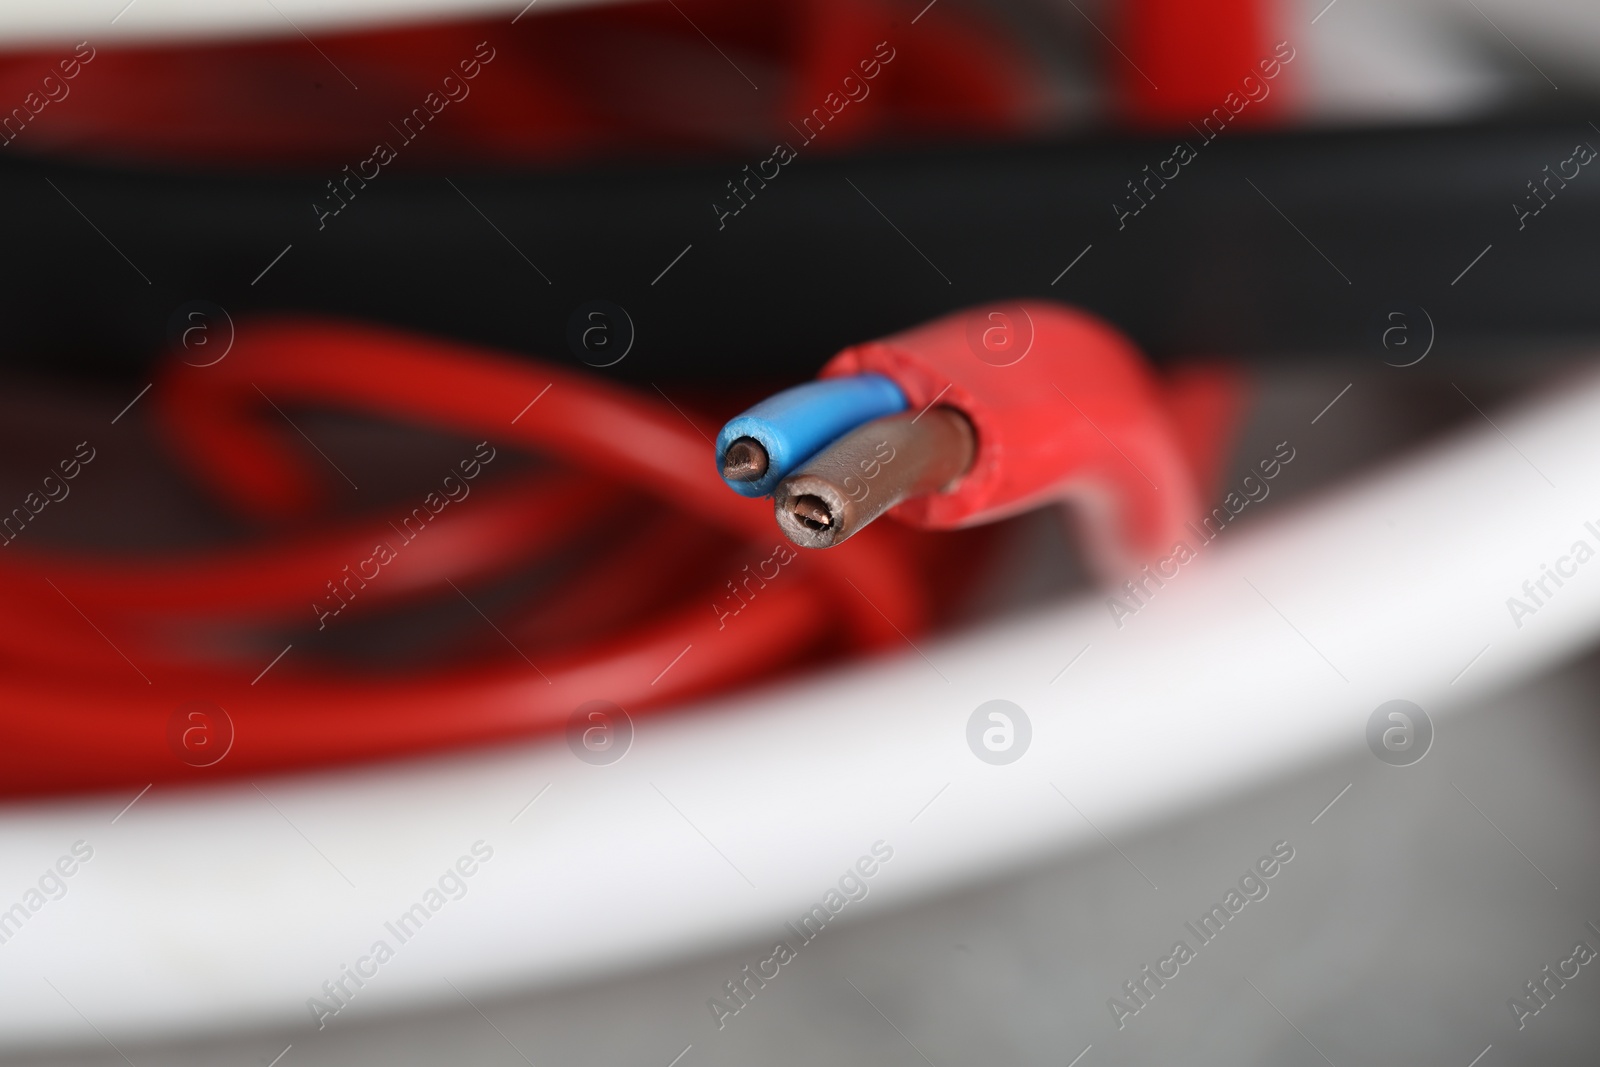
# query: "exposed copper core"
870, 470
744, 461
812, 512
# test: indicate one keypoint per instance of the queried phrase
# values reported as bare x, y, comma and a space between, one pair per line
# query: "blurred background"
1376, 218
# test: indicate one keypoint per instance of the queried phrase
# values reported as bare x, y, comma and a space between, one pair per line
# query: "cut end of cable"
745, 461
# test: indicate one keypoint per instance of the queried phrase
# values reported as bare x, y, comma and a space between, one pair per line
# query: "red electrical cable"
99, 654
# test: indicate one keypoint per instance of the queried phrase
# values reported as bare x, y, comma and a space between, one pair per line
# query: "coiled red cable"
99, 653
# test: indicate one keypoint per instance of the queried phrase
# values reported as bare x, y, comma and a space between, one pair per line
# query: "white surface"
206, 910
1439, 59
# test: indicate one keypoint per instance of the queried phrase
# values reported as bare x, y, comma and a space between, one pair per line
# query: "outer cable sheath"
1065, 409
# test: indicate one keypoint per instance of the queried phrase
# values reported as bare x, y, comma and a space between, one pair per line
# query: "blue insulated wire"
796, 424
